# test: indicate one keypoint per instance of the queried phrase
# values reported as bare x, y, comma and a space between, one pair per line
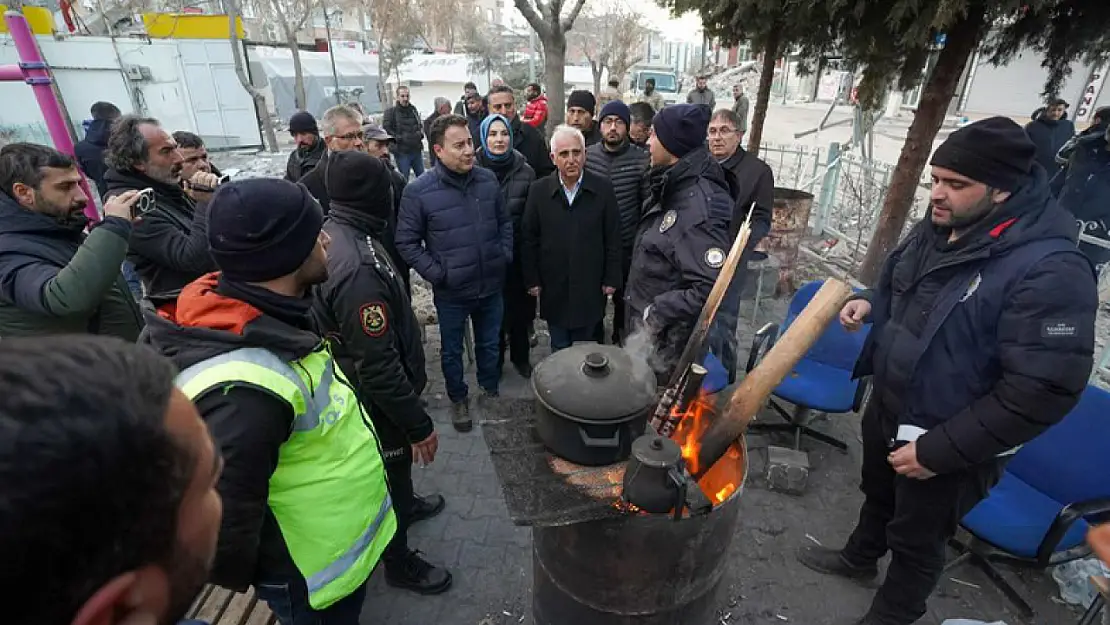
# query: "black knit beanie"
681, 128
994, 151
360, 181
261, 229
303, 121
582, 99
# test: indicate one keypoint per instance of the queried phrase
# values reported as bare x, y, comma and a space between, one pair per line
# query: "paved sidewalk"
491, 558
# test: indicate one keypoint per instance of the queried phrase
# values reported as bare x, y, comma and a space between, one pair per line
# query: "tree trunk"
261, 110
554, 58
937, 92
596, 70
299, 96
763, 94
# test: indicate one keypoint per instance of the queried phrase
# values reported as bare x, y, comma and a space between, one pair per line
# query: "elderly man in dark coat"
572, 243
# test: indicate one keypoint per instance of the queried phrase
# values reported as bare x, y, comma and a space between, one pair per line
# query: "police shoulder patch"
715, 257
669, 218
373, 318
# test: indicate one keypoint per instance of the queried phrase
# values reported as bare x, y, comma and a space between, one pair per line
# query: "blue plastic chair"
822, 379
1037, 515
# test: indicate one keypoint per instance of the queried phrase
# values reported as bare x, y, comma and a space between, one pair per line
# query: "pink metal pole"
33, 70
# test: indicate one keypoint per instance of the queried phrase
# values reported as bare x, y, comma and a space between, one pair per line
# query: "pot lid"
594, 383
656, 451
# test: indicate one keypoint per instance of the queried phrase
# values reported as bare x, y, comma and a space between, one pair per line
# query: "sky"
686, 28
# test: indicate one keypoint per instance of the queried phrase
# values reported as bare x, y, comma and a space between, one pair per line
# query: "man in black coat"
310, 147
169, 244
363, 304
402, 121
342, 131
572, 243
982, 338
1049, 132
581, 106
623, 165
683, 238
526, 139
90, 150
378, 143
752, 186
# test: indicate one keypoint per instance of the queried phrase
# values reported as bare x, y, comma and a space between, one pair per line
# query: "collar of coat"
588, 182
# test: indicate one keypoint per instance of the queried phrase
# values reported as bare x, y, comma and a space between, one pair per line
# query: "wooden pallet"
220, 606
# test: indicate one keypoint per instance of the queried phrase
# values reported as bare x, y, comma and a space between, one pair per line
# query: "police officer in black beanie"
682, 235
310, 147
364, 306
982, 338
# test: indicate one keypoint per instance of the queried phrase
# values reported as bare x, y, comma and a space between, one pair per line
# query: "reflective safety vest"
329, 492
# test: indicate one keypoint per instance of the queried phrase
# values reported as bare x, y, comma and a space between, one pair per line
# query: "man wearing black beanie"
982, 338
363, 304
581, 106
683, 234
307, 512
310, 147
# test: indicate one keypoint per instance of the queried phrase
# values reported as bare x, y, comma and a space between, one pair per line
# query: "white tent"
272, 70
429, 76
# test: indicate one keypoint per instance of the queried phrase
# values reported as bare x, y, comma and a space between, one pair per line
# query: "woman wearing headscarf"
515, 175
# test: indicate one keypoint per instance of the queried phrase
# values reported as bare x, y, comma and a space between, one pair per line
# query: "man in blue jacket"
90, 150
982, 339
454, 230
1049, 132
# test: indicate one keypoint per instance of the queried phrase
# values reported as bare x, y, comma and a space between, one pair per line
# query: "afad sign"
1086, 108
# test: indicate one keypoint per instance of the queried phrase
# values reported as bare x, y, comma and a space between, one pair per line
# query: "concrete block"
787, 470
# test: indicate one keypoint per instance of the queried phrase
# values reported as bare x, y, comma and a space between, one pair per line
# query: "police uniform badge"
715, 257
668, 220
373, 319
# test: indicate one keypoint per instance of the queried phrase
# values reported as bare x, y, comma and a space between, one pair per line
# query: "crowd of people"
278, 314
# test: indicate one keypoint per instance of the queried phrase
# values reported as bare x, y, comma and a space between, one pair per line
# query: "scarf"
484, 138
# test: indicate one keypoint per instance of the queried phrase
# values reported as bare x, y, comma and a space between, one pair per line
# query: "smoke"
640, 347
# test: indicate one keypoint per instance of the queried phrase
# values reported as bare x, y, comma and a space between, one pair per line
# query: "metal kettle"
654, 480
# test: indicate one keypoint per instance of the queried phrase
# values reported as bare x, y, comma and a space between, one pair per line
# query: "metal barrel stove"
635, 569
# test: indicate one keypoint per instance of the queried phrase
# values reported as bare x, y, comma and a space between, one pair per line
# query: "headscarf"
484, 139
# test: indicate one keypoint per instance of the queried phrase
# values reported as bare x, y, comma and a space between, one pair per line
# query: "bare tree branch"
233, 12
533, 19
568, 21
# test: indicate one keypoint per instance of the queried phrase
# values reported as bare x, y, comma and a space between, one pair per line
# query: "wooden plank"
261, 615
215, 606
239, 609
202, 596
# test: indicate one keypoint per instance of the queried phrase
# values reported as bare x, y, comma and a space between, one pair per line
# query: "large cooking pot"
592, 402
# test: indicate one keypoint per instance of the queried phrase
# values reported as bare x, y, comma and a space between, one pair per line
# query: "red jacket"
535, 114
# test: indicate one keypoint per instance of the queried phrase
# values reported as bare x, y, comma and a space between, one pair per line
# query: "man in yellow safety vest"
307, 513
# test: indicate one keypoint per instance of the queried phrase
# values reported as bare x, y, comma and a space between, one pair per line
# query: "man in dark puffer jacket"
515, 177
625, 166
453, 229
982, 339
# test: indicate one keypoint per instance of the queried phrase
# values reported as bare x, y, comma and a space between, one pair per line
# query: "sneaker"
424, 508
460, 416
831, 562
414, 573
524, 369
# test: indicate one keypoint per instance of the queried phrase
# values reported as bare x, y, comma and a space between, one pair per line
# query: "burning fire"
719, 482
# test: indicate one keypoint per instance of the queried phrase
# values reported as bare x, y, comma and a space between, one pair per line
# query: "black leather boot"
414, 573
831, 562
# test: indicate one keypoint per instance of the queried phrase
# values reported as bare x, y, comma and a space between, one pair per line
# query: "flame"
719, 482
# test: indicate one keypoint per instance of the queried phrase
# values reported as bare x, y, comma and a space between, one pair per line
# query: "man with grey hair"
572, 243
342, 129
442, 107
169, 243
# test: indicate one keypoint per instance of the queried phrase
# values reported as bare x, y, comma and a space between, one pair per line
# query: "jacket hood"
1029, 214
98, 131
14, 219
207, 323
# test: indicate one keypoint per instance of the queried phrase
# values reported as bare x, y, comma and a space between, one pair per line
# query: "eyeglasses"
351, 136
714, 132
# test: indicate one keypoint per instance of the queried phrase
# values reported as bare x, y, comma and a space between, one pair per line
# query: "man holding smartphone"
54, 278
